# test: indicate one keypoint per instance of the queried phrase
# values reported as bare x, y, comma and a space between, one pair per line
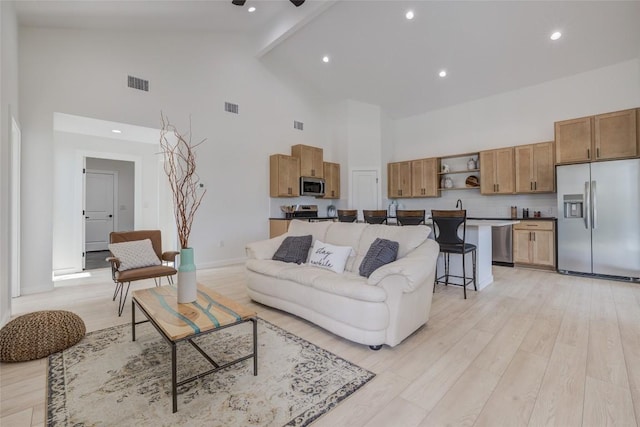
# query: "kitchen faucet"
459, 202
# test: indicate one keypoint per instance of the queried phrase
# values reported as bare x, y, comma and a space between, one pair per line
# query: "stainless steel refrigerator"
599, 218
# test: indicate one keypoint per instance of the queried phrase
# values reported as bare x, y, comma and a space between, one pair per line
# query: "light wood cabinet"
496, 171
331, 180
399, 179
534, 168
284, 176
278, 227
424, 178
534, 243
311, 160
602, 137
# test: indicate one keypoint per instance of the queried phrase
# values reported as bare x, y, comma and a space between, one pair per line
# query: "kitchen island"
479, 234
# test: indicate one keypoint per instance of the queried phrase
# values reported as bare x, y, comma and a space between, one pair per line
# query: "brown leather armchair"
155, 272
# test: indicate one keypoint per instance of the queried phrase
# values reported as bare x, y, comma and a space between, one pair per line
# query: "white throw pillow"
331, 257
135, 254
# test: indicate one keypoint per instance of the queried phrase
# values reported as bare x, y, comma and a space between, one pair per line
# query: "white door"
364, 191
99, 196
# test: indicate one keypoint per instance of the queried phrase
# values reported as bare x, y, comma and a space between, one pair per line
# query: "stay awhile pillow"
331, 257
381, 252
294, 249
135, 254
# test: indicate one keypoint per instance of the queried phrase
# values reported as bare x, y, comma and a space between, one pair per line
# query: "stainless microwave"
310, 186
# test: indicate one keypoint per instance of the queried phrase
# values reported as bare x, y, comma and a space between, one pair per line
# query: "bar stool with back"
446, 225
375, 216
347, 215
410, 217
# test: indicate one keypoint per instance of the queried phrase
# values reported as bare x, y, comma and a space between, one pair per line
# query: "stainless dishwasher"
502, 245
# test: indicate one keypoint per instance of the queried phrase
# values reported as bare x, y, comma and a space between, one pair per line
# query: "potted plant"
180, 168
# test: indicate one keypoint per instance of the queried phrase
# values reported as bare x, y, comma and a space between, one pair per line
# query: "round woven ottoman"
36, 335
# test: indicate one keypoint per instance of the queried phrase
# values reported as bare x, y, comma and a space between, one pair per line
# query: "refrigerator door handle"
594, 206
587, 205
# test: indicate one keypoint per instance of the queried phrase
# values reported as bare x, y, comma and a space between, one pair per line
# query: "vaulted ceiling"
378, 56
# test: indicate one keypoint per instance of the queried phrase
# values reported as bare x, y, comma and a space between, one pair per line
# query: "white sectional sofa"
383, 309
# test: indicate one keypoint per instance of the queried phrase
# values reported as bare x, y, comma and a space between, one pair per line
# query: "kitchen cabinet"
331, 180
284, 176
311, 160
534, 169
496, 171
278, 227
458, 173
424, 178
399, 179
602, 137
534, 243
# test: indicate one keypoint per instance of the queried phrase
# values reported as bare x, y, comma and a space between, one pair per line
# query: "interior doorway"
364, 191
109, 199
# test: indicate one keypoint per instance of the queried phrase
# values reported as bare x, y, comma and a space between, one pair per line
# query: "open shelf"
464, 171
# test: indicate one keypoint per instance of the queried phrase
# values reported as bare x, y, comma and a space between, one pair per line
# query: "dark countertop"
316, 218
543, 218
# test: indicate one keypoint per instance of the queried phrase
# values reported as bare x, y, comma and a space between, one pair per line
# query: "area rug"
107, 379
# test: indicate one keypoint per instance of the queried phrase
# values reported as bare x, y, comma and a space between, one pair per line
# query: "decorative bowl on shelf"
472, 181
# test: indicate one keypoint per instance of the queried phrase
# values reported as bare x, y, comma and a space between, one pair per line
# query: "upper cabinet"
535, 171
331, 180
424, 178
284, 176
399, 179
311, 163
496, 171
602, 137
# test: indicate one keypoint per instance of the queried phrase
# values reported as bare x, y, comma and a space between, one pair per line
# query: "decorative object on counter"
472, 181
536, 214
180, 166
471, 164
525, 212
445, 168
287, 210
393, 207
514, 211
331, 211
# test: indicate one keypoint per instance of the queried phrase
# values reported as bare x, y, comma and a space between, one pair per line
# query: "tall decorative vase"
187, 286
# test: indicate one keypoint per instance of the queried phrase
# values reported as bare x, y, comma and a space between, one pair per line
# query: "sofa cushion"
331, 257
381, 252
301, 228
345, 234
408, 239
303, 274
268, 267
350, 285
294, 249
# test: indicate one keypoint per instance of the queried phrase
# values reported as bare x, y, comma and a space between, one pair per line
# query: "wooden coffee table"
184, 322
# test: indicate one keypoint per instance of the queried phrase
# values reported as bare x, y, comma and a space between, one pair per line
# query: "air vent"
298, 125
138, 83
231, 108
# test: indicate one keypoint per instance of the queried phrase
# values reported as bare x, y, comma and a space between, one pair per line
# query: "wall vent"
231, 108
138, 83
298, 125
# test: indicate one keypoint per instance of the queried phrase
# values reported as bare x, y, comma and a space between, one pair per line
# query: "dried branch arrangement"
180, 167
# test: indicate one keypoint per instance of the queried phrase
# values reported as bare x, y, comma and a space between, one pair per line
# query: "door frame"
79, 191
116, 223
14, 213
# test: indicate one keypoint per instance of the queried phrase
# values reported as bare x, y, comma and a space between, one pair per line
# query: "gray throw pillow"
381, 252
294, 249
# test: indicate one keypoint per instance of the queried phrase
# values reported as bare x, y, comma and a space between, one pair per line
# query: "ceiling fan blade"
239, 2
297, 3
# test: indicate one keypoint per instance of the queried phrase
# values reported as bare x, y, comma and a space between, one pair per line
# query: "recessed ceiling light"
116, 131
325, 59
251, 9
409, 15
556, 35
442, 73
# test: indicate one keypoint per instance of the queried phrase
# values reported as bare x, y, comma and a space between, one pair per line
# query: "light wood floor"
534, 348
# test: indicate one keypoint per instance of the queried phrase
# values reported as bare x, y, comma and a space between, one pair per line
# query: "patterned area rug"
107, 379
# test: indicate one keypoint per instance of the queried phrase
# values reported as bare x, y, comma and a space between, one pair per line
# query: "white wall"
519, 117
8, 107
85, 73
125, 203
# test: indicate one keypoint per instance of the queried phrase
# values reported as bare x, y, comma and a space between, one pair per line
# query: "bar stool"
446, 225
347, 215
410, 217
375, 216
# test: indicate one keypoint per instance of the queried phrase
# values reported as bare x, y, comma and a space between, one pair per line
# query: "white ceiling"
379, 57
